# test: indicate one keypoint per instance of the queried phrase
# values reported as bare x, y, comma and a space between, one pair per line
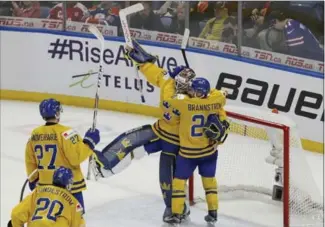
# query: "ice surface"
129, 199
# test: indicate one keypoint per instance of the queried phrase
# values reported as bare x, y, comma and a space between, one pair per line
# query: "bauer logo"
250, 91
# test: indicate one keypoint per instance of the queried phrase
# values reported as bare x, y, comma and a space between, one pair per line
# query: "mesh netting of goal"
244, 177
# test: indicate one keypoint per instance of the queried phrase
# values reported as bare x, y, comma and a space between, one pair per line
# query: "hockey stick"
24, 185
100, 37
186, 36
127, 35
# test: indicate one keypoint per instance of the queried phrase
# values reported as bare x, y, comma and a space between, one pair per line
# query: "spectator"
299, 39
169, 7
108, 11
29, 9
178, 22
75, 11
257, 27
146, 19
230, 30
214, 27
5, 8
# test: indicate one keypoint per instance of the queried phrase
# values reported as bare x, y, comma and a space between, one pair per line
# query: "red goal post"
256, 118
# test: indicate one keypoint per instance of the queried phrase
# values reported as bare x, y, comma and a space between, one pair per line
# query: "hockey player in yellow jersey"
53, 144
163, 134
50, 205
203, 126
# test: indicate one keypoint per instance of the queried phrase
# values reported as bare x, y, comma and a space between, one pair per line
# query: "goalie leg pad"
166, 173
166, 168
125, 143
178, 197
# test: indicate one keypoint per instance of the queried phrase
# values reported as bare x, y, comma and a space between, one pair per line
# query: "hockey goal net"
262, 173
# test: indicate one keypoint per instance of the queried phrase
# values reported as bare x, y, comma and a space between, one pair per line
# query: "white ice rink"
129, 199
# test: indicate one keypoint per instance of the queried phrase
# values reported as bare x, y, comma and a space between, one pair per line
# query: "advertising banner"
50, 64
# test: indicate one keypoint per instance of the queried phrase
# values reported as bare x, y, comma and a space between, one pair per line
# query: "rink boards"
44, 63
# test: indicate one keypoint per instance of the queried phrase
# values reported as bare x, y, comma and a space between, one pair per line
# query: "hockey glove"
32, 184
215, 129
176, 71
92, 138
138, 55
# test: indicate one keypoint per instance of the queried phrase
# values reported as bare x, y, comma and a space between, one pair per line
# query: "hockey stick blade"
96, 33
127, 34
132, 9
186, 36
126, 31
124, 22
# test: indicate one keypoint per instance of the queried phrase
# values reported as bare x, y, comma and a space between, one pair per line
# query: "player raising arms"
53, 145
203, 126
50, 205
163, 134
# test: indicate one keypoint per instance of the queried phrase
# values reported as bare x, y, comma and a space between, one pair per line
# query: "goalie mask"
182, 80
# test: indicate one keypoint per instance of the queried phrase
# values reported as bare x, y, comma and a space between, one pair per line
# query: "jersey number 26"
198, 122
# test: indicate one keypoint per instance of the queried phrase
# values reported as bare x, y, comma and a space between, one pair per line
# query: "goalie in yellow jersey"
203, 126
162, 135
53, 144
50, 205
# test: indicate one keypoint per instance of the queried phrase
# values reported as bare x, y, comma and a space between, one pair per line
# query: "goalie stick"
127, 35
100, 37
186, 36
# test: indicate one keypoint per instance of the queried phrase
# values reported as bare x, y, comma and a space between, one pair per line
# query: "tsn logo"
256, 92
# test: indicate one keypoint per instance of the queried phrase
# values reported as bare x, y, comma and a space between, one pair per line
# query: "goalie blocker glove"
215, 129
138, 55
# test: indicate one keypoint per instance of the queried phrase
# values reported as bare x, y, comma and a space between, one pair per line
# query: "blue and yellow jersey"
194, 113
48, 206
51, 146
166, 127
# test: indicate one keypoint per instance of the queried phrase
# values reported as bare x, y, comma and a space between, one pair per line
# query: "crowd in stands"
293, 28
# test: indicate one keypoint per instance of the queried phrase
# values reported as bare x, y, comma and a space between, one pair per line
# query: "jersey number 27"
49, 148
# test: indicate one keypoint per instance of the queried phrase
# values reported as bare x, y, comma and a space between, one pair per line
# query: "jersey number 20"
52, 149
48, 206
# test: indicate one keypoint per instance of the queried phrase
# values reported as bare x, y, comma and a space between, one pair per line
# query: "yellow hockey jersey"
167, 126
51, 146
194, 113
48, 206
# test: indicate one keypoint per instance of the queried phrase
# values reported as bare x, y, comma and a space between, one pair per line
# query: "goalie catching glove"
138, 55
215, 129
